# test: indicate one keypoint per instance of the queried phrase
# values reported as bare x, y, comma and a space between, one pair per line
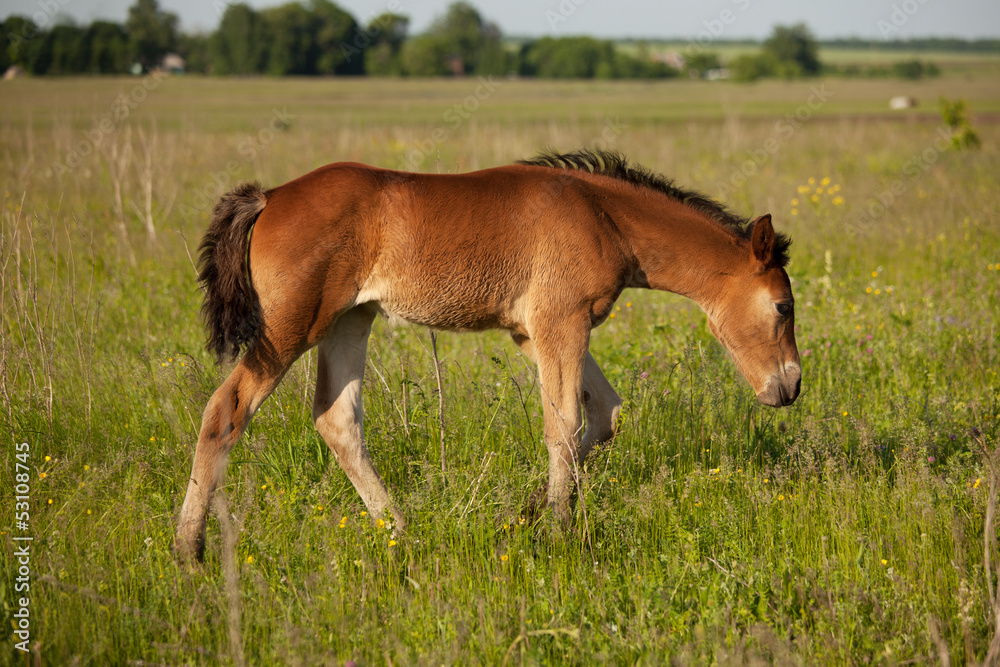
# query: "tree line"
317, 37
313, 37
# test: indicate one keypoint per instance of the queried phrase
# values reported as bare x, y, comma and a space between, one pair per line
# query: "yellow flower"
795, 211
868, 290
811, 181
152, 438
364, 513
825, 181
628, 304
845, 413
42, 475
877, 292
86, 468
319, 508
884, 562
263, 486
766, 480
802, 189
380, 523
781, 496
611, 316
50, 500
814, 198
838, 200
392, 543
874, 274
48, 458
249, 559
88, 511
975, 485
795, 202
504, 558
819, 191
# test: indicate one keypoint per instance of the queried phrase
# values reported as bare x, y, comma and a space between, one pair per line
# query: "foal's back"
452, 251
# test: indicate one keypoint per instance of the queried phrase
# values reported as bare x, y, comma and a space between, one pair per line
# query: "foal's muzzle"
783, 388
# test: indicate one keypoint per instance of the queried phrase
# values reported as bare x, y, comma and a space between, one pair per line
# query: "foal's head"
753, 316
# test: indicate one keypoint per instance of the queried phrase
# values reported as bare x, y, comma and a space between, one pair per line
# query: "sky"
702, 20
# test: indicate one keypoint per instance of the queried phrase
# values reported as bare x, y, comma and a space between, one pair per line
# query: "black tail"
232, 308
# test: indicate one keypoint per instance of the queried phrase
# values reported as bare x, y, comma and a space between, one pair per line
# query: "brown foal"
541, 249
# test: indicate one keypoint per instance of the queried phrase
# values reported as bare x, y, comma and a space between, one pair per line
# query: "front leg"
560, 350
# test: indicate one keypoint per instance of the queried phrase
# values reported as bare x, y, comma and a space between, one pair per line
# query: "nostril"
798, 385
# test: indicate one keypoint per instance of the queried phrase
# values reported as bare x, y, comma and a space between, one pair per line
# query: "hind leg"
602, 405
338, 408
225, 418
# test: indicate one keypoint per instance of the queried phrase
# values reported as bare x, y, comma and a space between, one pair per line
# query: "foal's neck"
679, 249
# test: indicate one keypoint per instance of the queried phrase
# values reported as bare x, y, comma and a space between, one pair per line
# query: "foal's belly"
454, 305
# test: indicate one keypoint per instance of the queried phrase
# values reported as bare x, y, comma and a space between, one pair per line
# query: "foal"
541, 249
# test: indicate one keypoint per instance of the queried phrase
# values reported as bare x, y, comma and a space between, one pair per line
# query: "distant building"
671, 58
173, 63
902, 102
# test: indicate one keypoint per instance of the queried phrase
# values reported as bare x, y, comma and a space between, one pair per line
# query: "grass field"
845, 529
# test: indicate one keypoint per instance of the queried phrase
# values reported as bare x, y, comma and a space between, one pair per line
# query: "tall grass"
848, 528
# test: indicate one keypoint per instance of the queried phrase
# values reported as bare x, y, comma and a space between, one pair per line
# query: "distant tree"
194, 50
425, 55
466, 42
696, 64
493, 57
915, 69
794, 49
107, 48
152, 33
387, 33
750, 67
18, 42
288, 40
69, 49
332, 27
236, 47
567, 57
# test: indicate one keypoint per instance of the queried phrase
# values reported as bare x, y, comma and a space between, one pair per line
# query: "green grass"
847, 528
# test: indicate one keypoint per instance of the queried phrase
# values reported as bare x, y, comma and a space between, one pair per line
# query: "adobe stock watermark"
120, 110
898, 17
20, 601
249, 148
47, 12
912, 169
563, 11
452, 119
780, 134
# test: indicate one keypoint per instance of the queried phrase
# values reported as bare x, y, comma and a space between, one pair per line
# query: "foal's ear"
762, 240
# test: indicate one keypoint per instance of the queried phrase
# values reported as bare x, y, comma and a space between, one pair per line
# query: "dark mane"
616, 165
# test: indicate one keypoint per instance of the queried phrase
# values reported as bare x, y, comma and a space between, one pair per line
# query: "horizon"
714, 21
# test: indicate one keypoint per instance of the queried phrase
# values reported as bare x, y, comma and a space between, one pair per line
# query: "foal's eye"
784, 309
